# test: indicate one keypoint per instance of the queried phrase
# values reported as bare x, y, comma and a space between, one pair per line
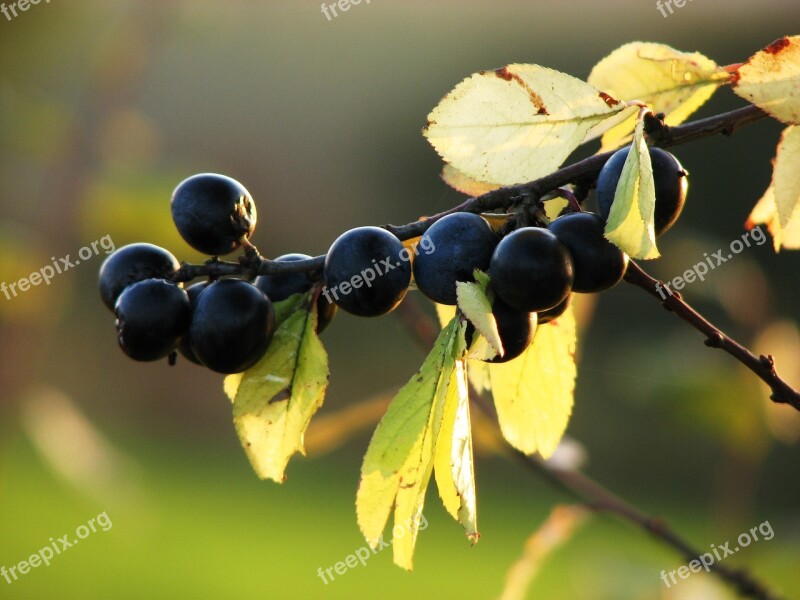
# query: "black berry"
232, 326
459, 244
213, 212
531, 270
599, 264
193, 291
152, 316
551, 314
516, 329
282, 286
131, 264
367, 271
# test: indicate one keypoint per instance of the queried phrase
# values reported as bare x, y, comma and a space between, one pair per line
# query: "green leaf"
515, 124
474, 302
400, 459
770, 79
534, 392
668, 81
630, 221
276, 399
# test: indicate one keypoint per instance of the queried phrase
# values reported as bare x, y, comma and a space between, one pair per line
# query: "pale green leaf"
779, 208
630, 221
278, 396
399, 461
474, 302
533, 393
515, 124
480, 349
668, 81
770, 79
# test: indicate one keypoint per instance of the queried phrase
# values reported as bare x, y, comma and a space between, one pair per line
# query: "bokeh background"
106, 106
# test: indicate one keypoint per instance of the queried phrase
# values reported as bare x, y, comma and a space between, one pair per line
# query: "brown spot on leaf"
284, 394
535, 98
504, 73
778, 46
611, 101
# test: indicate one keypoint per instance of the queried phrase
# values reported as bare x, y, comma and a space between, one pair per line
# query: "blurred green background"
105, 107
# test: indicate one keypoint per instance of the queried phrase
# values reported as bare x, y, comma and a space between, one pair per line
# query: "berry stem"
571, 198
762, 366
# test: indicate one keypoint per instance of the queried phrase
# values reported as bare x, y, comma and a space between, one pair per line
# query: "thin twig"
762, 366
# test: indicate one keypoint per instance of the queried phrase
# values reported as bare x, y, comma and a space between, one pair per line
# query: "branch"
762, 366
580, 173
580, 486
599, 499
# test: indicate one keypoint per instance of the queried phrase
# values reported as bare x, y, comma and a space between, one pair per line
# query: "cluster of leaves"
494, 129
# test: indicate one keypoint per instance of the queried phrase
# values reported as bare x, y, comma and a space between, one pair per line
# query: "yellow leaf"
231, 385
770, 79
516, 123
667, 80
533, 393
630, 221
466, 185
445, 313
779, 208
553, 207
496, 220
453, 465
399, 461
278, 396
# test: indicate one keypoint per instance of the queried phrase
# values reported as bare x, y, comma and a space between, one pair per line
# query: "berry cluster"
227, 325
